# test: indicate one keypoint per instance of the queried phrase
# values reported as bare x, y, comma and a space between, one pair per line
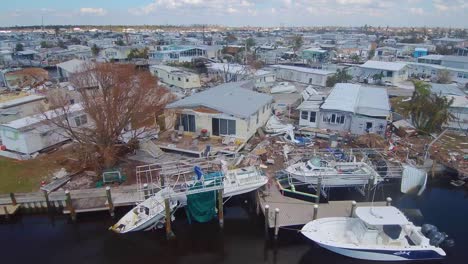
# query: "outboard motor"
448, 243
437, 238
428, 229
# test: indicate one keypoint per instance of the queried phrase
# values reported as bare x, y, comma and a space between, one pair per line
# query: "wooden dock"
86, 200
295, 212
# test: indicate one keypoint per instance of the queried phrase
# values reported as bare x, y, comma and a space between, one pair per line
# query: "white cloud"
93, 11
348, 2
416, 11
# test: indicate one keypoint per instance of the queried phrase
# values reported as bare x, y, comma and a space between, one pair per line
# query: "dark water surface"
46, 239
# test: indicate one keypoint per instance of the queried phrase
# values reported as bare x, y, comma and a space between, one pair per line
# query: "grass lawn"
26, 175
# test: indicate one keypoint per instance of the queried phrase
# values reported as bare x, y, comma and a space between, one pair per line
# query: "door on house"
368, 126
310, 80
187, 121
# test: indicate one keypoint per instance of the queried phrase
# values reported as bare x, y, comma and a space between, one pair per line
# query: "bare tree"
119, 99
443, 76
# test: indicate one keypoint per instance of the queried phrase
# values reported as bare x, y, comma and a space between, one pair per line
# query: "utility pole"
42, 23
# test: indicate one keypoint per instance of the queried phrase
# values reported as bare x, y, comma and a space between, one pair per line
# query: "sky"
443, 13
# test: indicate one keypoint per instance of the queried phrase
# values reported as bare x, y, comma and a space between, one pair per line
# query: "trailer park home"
230, 109
355, 108
34, 133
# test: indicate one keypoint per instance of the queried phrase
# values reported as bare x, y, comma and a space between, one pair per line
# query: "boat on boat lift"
380, 233
151, 212
334, 173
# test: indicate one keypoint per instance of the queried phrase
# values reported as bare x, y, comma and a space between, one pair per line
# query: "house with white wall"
19, 107
66, 69
310, 76
390, 72
230, 72
117, 53
31, 134
356, 109
225, 110
175, 76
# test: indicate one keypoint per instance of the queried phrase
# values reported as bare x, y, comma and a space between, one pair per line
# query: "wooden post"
46, 196
257, 203
145, 191
13, 198
267, 220
389, 201
315, 211
433, 168
7, 215
277, 210
109, 201
319, 189
169, 234
353, 208
70, 205
220, 208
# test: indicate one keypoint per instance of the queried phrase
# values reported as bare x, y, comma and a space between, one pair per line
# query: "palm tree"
429, 112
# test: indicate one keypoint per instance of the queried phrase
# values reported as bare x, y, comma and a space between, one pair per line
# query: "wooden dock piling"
46, 196
277, 211
389, 201
169, 234
7, 214
220, 208
267, 221
109, 201
70, 205
13, 198
316, 207
319, 189
353, 208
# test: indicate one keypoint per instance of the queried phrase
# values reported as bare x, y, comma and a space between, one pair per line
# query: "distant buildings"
229, 72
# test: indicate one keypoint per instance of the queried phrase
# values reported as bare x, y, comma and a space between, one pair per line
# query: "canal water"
47, 239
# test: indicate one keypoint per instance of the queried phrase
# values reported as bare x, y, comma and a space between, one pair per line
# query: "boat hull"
384, 255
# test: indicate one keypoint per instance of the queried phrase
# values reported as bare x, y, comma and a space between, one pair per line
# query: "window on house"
263, 109
312, 116
178, 78
460, 75
187, 121
304, 115
221, 127
81, 120
258, 116
333, 118
186, 80
389, 74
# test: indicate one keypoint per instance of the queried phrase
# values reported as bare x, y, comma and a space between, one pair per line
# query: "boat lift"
384, 170
179, 175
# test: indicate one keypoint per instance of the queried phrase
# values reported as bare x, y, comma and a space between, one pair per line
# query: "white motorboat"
376, 233
146, 215
243, 180
333, 173
151, 212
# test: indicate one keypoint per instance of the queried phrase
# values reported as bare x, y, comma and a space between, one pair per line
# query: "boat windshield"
392, 231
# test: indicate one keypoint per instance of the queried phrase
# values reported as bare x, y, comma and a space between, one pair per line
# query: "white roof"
72, 66
229, 98
384, 65
236, 69
432, 57
381, 215
310, 105
36, 119
354, 98
459, 101
343, 97
303, 69
21, 100
171, 69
